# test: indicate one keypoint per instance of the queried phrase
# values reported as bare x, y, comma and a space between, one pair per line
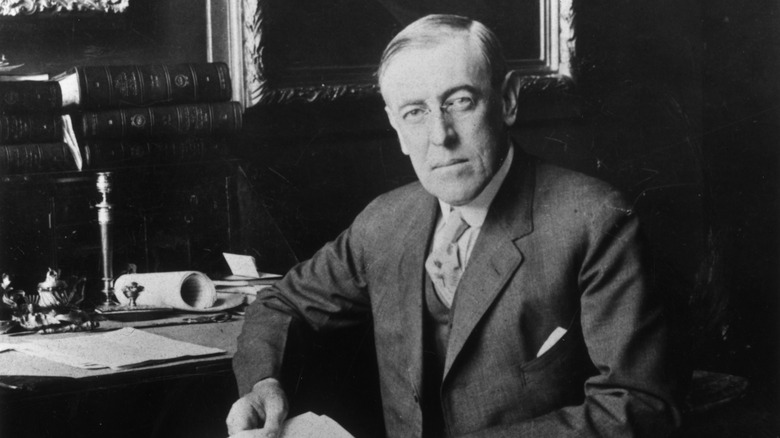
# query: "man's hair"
433, 30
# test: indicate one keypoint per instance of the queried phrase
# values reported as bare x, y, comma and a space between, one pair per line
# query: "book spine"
163, 121
32, 158
33, 128
154, 84
28, 96
101, 154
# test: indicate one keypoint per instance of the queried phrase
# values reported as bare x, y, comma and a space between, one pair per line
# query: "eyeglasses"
455, 108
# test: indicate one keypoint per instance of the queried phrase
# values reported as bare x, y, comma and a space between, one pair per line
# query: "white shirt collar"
475, 212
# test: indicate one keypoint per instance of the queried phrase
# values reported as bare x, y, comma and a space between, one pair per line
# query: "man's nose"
441, 131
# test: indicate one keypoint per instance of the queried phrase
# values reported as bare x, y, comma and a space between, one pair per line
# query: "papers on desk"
245, 279
311, 425
308, 425
240, 280
120, 349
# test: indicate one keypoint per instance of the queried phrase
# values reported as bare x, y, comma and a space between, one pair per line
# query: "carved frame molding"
30, 7
551, 73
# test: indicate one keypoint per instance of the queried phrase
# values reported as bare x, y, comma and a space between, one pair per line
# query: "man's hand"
265, 407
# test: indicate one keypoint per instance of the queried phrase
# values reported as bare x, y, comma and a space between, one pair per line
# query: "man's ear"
394, 124
509, 92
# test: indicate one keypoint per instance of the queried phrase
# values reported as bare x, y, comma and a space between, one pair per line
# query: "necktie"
443, 264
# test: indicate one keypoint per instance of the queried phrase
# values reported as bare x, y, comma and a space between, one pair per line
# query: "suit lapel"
495, 256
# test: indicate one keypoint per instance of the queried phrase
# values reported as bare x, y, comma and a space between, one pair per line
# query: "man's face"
449, 119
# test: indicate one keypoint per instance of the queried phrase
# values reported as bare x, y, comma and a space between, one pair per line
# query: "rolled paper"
185, 290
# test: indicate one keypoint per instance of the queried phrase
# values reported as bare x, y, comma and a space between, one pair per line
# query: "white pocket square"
554, 337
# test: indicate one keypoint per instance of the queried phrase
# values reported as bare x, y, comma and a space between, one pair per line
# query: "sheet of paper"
311, 425
240, 280
243, 265
120, 349
244, 268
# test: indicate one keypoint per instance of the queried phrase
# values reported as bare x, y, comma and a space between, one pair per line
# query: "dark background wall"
740, 137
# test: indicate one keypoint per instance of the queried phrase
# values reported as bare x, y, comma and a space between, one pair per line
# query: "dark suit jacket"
558, 249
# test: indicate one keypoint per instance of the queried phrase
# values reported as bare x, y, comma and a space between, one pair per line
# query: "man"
507, 295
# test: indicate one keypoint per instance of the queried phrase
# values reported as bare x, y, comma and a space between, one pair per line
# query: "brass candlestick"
106, 249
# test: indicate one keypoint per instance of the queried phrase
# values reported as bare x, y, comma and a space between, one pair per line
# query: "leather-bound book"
121, 86
197, 119
30, 96
36, 158
30, 128
98, 154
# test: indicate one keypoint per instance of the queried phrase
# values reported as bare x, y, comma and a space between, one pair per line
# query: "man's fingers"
242, 416
254, 433
273, 405
275, 414
265, 405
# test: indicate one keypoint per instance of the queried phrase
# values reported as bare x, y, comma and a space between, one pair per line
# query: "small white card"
554, 337
243, 265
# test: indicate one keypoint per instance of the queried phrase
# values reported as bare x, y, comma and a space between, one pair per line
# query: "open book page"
311, 425
23, 77
120, 349
69, 138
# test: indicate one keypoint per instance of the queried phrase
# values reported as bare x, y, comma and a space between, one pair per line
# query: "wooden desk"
186, 398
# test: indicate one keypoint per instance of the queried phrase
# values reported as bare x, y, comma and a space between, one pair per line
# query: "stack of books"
245, 285
35, 135
245, 279
94, 117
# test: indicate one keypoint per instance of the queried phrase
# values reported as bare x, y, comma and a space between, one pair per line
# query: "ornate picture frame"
269, 82
29, 7
49, 37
